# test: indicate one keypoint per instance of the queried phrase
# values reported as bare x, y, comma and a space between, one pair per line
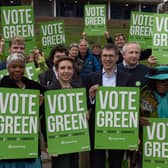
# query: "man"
109, 76
131, 65
16, 45
120, 41
86, 60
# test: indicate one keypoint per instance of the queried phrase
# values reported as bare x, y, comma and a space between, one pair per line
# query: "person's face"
132, 54
119, 41
58, 55
96, 50
17, 48
109, 59
65, 71
16, 70
83, 47
73, 52
162, 86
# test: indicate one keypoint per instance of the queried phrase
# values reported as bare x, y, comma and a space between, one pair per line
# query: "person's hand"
152, 60
41, 99
84, 35
144, 121
92, 91
87, 115
107, 35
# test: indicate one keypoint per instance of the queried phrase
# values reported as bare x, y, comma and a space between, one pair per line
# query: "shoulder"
5, 81
30, 84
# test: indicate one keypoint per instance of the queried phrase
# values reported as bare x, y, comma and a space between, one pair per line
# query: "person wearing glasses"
109, 76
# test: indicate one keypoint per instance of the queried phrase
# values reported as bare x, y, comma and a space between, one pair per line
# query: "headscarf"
14, 57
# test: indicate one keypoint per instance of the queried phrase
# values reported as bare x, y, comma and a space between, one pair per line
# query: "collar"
113, 72
128, 67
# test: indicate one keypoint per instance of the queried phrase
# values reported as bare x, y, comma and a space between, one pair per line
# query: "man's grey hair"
125, 47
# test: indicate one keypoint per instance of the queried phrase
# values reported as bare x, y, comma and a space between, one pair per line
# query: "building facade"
116, 9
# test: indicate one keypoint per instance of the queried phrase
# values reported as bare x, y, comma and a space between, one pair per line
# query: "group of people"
116, 64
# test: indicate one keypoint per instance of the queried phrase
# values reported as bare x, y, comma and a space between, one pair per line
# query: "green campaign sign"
19, 111
18, 20
155, 143
67, 126
95, 19
30, 72
51, 34
141, 25
117, 118
160, 38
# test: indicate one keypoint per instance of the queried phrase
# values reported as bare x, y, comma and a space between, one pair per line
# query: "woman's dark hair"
58, 48
64, 58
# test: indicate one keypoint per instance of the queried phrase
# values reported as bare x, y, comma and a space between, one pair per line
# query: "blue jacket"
89, 64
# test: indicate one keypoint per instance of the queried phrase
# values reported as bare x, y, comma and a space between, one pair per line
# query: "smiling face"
17, 48
109, 59
162, 86
73, 52
65, 70
131, 54
16, 70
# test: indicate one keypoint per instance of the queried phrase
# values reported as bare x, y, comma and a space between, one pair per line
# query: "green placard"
3, 73
67, 126
141, 25
51, 34
117, 118
18, 20
19, 110
30, 72
95, 20
155, 143
160, 38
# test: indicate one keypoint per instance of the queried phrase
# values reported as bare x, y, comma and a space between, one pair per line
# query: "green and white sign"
141, 25
67, 126
51, 34
30, 72
19, 111
160, 38
95, 20
18, 20
3, 73
117, 118
155, 143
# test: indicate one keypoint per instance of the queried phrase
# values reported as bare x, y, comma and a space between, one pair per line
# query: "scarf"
162, 107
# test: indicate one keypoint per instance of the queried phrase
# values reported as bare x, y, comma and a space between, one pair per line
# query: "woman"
16, 66
65, 70
73, 50
154, 97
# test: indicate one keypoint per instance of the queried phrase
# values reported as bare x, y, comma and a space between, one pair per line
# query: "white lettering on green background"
63, 103
18, 22
12, 104
142, 25
95, 16
156, 146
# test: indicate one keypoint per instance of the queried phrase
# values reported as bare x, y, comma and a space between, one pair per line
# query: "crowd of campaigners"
117, 63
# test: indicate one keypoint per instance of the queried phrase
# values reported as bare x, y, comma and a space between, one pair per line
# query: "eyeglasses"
108, 56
